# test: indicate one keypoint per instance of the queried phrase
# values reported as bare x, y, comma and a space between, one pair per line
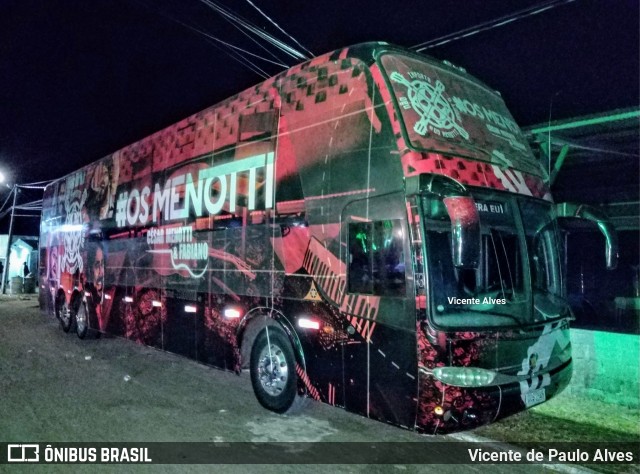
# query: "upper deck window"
441, 110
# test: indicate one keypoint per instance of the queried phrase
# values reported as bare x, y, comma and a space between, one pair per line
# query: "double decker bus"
368, 229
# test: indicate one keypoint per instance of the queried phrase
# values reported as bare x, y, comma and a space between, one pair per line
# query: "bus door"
380, 362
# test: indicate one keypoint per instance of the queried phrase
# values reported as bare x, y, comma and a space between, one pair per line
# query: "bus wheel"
273, 373
63, 313
82, 323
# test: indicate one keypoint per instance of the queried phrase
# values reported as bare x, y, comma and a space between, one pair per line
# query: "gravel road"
55, 387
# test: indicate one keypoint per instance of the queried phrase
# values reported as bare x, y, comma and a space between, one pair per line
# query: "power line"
28, 186
231, 50
255, 30
229, 45
227, 16
35, 205
243, 60
251, 31
488, 25
38, 183
32, 206
29, 206
3, 214
6, 200
237, 21
278, 26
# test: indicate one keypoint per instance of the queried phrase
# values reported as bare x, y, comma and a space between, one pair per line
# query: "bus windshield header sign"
443, 111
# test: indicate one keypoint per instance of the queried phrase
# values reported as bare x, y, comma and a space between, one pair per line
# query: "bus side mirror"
465, 231
590, 213
462, 211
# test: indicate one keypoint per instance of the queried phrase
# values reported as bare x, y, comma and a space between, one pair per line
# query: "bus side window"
376, 258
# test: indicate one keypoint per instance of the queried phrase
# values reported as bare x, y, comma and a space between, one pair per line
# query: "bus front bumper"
459, 408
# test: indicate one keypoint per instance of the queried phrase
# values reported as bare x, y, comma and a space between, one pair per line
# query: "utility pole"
5, 270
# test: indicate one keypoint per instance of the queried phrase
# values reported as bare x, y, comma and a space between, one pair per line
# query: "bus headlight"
464, 376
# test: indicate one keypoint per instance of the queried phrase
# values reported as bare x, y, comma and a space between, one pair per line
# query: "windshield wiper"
563, 306
542, 291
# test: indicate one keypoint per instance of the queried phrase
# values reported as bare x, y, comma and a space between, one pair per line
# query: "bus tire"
82, 323
273, 372
63, 313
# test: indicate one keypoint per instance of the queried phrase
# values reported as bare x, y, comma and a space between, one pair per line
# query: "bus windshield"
544, 254
445, 111
518, 280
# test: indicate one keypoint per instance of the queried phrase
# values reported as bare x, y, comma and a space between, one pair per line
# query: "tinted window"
376, 258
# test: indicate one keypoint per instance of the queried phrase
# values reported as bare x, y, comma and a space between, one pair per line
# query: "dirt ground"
55, 387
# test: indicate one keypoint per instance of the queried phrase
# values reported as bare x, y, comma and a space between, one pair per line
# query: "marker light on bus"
190, 308
328, 329
232, 313
71, 228
128, 299
308, 323
156, 304
464, 376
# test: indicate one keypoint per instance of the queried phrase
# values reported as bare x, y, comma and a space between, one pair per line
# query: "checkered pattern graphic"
312, 85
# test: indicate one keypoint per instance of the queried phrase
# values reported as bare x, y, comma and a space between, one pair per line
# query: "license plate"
535, 397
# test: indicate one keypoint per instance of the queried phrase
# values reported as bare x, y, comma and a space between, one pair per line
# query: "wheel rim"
64, 314
81, 318
273, 370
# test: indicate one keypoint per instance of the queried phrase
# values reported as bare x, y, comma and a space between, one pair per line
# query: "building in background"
24, 249
593, 160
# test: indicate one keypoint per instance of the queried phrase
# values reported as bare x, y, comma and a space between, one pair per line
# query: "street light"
3, 181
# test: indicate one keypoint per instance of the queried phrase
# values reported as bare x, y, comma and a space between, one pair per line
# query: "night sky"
81, 79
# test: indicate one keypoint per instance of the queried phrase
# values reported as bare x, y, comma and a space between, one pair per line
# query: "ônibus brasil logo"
23, 453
